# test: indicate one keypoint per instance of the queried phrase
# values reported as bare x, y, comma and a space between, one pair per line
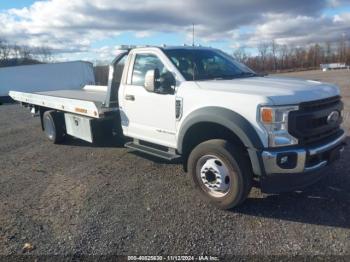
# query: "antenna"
193, 34
194, 66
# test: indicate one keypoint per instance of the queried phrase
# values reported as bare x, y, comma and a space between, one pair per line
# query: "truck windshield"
207, 64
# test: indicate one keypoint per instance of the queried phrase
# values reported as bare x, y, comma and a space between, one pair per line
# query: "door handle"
130, 97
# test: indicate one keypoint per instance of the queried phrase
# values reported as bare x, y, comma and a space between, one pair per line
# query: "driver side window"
144, 63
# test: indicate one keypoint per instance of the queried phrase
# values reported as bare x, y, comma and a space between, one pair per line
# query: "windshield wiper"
246, 74
224, 77
242, 74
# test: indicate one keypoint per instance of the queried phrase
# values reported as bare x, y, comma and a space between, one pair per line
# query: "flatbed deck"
88, 101
85, 95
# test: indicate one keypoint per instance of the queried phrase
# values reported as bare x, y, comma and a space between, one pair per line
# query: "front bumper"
287, 169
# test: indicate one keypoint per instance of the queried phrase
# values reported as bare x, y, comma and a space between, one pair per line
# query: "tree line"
273, 57
12, 54
270, 57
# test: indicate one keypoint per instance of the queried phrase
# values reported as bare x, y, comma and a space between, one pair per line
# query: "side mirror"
152, 80
167, 81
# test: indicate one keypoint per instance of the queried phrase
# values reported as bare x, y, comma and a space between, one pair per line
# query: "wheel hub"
210, 176
214, 175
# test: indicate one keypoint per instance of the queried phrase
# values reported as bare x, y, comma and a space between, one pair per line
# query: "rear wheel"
54, 126
221, 173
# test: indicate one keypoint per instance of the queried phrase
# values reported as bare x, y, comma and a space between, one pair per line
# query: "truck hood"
280, 90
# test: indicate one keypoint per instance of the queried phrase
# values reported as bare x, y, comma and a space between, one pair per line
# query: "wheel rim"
213, 175
49, 128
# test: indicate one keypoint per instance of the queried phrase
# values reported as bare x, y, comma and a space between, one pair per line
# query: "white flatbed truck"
230, 126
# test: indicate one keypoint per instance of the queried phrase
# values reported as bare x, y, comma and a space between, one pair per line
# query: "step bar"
168, 155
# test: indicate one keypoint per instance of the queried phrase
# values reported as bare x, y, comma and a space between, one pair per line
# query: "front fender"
232, 121
224, 117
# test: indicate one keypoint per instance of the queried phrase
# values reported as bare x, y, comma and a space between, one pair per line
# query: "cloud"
300, 30
73, 26
337, 3
142, 34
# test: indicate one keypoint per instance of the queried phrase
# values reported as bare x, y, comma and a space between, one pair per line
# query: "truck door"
148, 116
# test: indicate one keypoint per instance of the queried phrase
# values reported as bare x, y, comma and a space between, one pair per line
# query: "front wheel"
221, 172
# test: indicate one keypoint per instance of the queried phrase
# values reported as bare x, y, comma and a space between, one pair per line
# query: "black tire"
239, 176
54, 126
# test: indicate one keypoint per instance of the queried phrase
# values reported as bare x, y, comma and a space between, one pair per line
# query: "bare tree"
5, 50
274, 50
342, 49
315, 56
272, 57
283, 54
240, 55
44, 53
263, 49
328, 57
16, 50
13, 54
25, 53
348, 55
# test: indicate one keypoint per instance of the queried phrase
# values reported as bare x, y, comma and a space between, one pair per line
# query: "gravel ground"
82, 199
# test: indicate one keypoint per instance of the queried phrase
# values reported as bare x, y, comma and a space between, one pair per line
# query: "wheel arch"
216, 122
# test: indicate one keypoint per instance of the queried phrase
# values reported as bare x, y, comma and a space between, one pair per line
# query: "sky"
92, 30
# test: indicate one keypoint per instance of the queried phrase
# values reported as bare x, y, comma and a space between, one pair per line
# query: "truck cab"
230, 127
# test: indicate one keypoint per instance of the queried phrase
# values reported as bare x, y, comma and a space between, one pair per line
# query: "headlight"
275, 122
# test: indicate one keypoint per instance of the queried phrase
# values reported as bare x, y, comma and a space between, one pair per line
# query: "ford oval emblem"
333, 118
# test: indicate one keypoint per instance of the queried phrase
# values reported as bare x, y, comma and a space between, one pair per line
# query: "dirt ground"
78, 199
